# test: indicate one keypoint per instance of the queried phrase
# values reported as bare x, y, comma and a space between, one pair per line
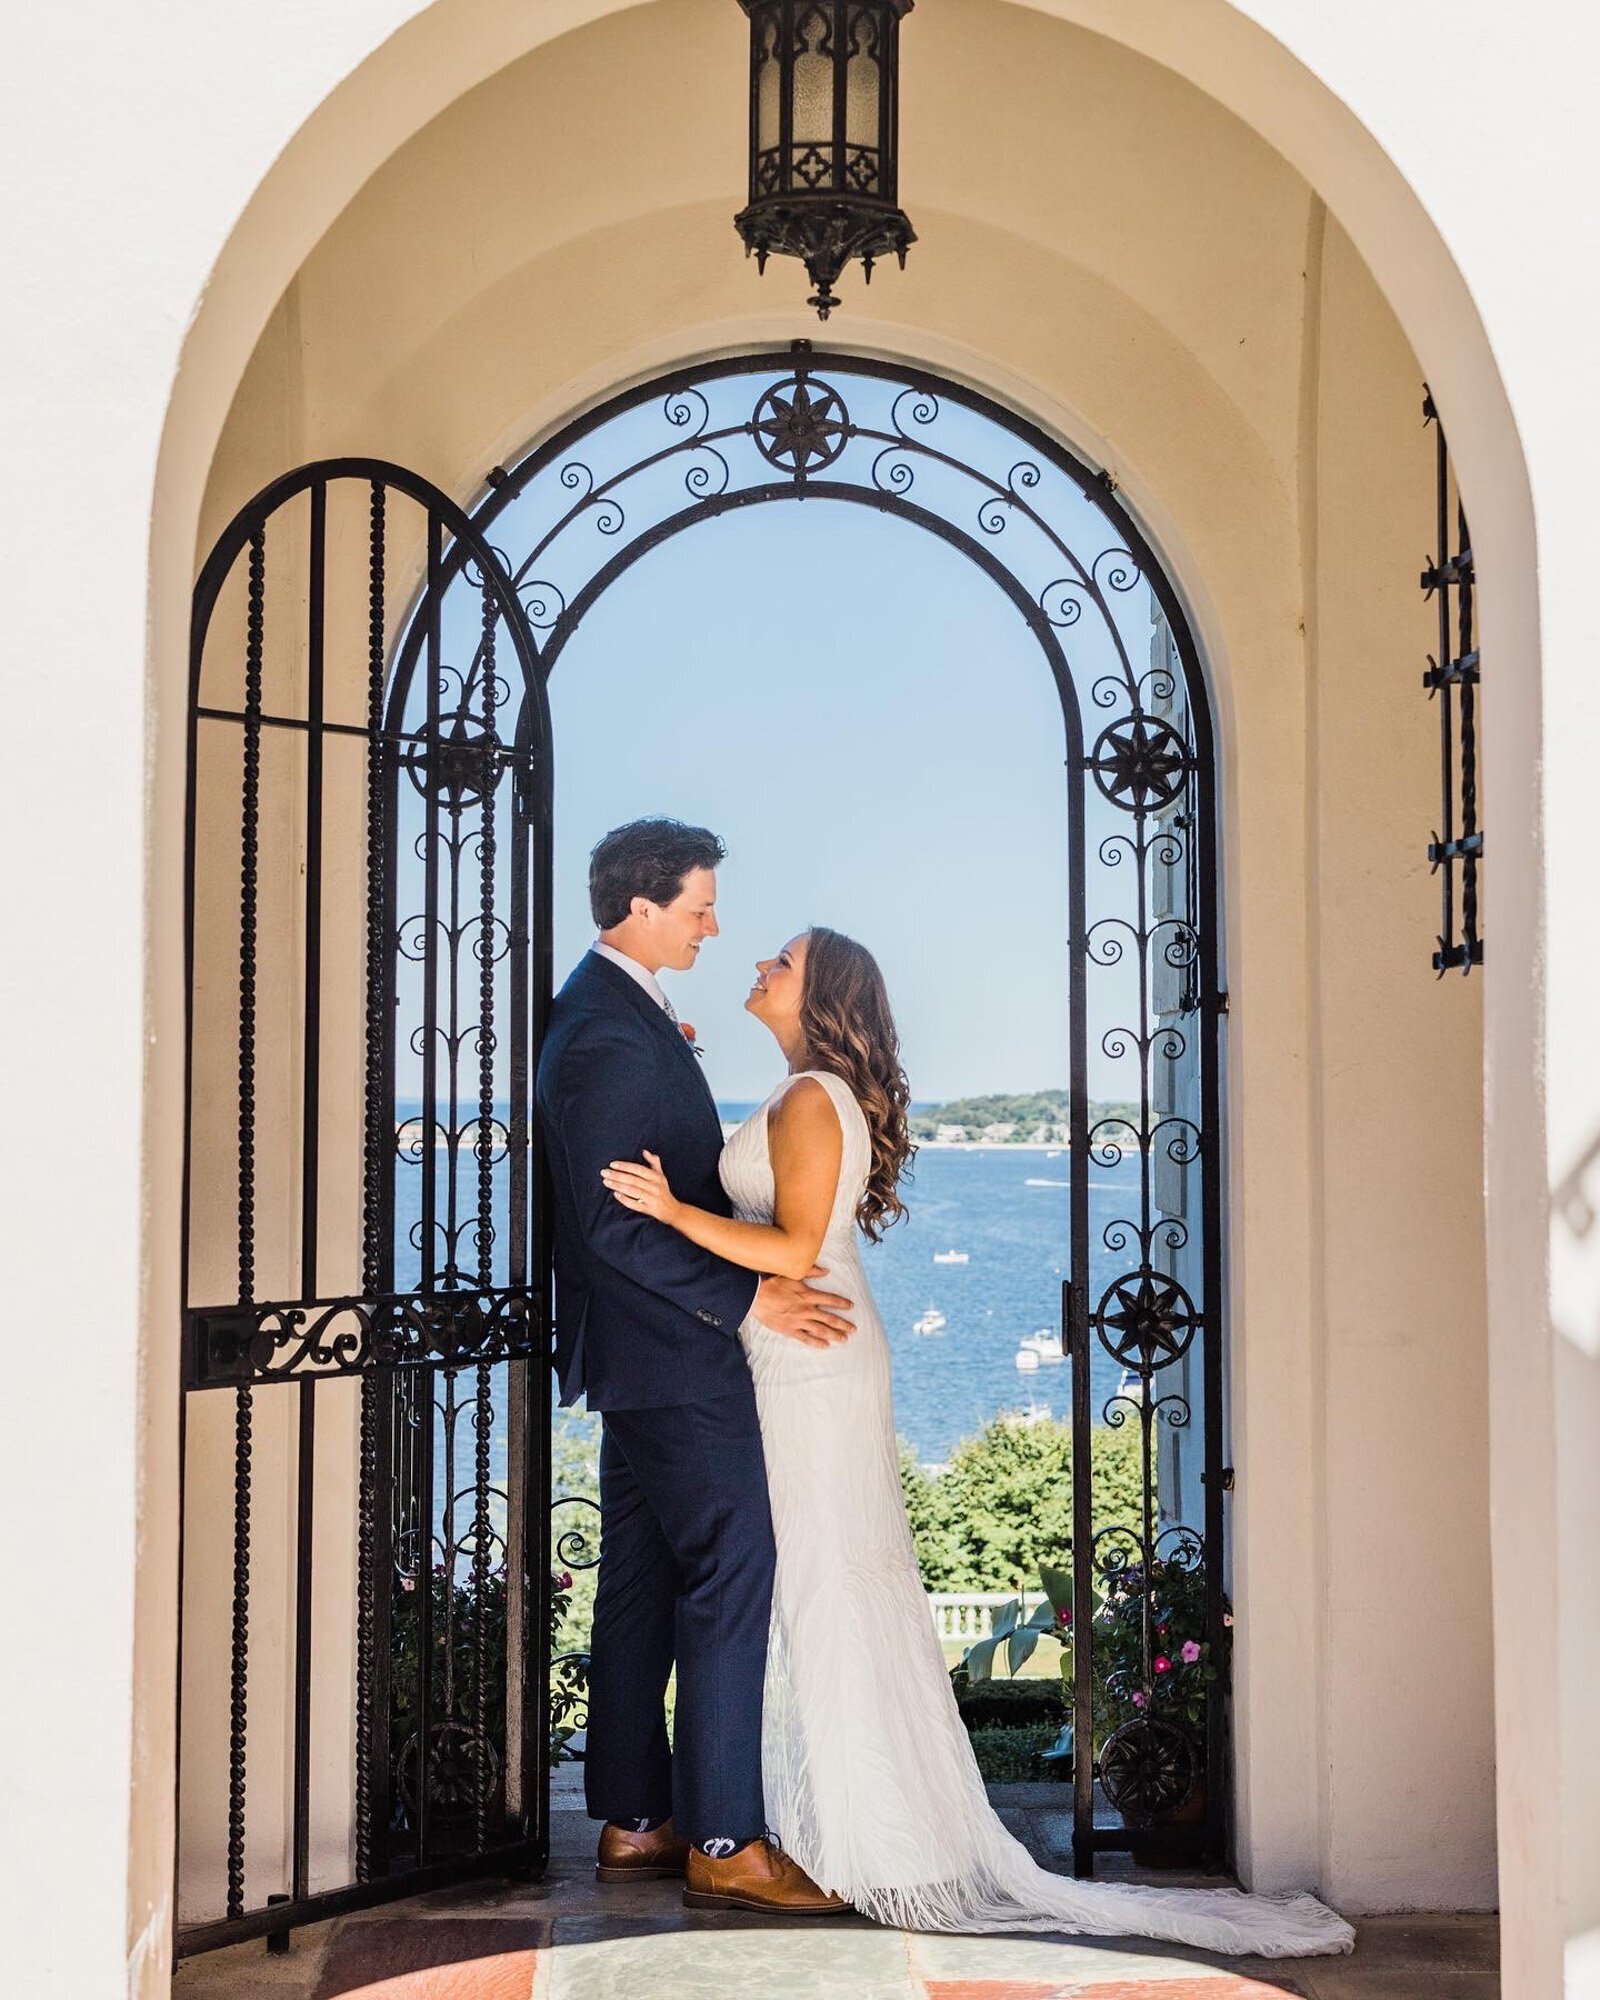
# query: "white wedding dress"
870, 1781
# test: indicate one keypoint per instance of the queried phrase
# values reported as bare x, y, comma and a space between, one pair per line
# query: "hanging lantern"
824, 137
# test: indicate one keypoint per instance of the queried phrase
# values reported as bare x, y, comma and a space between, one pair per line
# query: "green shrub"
1025, 1704
1011, 1756
1004, 1507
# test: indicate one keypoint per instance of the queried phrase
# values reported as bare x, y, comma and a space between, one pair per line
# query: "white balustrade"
962, 1618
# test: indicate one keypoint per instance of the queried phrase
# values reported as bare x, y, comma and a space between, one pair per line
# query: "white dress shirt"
639, 974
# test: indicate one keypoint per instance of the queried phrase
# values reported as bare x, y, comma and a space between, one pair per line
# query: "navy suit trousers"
686, 1562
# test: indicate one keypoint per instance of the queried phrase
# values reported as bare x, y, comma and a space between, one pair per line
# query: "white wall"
176, 115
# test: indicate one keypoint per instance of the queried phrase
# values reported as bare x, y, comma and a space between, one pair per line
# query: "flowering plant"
686, 1029
1183, 1655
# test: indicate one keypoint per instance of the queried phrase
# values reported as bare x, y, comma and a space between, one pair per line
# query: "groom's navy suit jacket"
644, 1319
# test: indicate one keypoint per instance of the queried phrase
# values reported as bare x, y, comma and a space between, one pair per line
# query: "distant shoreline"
987, 1146
955, 1145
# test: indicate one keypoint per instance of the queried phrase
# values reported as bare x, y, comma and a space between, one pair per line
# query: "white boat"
1027, 1360
1131, 1385
1035, 1180
1045, 1344
932, 1321
950, 1256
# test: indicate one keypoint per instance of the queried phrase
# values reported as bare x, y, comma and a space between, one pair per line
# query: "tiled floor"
565, 1938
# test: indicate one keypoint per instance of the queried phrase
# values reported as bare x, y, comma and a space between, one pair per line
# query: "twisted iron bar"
371, 1200
250, 815
483, 1414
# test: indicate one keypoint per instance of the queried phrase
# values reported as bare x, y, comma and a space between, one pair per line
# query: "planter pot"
1191, 1813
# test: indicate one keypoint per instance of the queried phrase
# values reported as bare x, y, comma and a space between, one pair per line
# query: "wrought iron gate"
364, 1249
368, 960
1142, 1306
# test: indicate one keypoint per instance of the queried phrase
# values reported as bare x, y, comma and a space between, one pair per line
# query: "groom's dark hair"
647, 857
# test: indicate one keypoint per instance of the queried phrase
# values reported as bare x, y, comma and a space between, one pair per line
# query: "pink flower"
1138, 1701
1064, 1617
1163, 1630
408, 1583
1191, 1652
1162, 1664
1227, 1617
566, 1581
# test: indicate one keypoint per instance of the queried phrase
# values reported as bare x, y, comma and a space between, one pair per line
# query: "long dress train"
870, 1780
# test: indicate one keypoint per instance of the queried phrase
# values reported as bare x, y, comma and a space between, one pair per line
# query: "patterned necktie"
671, 1011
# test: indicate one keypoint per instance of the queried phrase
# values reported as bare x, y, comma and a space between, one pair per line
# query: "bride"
870, 1781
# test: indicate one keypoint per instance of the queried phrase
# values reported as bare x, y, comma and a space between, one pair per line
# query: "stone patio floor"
566, 1938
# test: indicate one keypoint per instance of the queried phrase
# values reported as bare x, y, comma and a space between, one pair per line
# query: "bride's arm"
807, 1147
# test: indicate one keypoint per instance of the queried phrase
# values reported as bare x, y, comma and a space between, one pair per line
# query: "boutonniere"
686, 1029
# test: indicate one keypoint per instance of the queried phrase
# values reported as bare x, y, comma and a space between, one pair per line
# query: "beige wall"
1156, 284
1401, 1427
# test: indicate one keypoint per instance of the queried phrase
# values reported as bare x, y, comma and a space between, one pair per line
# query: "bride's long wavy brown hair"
850, 1033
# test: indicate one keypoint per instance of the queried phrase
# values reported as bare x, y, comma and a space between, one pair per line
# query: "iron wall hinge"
1227, 1479
1222, 1003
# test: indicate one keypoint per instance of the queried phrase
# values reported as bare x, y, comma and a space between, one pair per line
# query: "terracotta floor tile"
434, 1958
1213, 1986
996, 1989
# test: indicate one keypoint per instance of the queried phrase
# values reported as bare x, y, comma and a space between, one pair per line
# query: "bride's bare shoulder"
804, 1108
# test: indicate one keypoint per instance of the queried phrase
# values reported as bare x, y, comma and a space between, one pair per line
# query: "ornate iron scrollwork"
272, 1342
1148, 1768
801, 426
1146, 1320
1139, 762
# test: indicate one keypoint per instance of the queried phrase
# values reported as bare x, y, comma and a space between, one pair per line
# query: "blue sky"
867, 722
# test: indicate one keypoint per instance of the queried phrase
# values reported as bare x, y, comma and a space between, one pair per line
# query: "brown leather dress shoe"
626, 1856
759, 1877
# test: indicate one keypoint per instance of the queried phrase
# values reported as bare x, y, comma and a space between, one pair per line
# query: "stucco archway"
442, 52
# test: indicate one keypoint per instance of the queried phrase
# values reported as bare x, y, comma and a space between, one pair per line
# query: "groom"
647, 1330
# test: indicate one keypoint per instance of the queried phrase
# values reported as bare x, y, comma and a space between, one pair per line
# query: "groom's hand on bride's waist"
790, 1306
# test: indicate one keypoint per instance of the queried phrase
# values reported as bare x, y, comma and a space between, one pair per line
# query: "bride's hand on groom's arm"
643, 1189
787, 1305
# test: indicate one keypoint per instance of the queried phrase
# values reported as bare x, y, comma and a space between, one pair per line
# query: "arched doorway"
432, 1351
1141, 1306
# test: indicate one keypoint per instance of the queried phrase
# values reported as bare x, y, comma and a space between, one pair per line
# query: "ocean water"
977, 1199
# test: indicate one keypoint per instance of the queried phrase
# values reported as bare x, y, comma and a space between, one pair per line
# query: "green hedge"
1011, 1756
1020, 1704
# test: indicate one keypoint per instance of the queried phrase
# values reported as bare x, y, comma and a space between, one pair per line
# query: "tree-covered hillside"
1032, 1115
